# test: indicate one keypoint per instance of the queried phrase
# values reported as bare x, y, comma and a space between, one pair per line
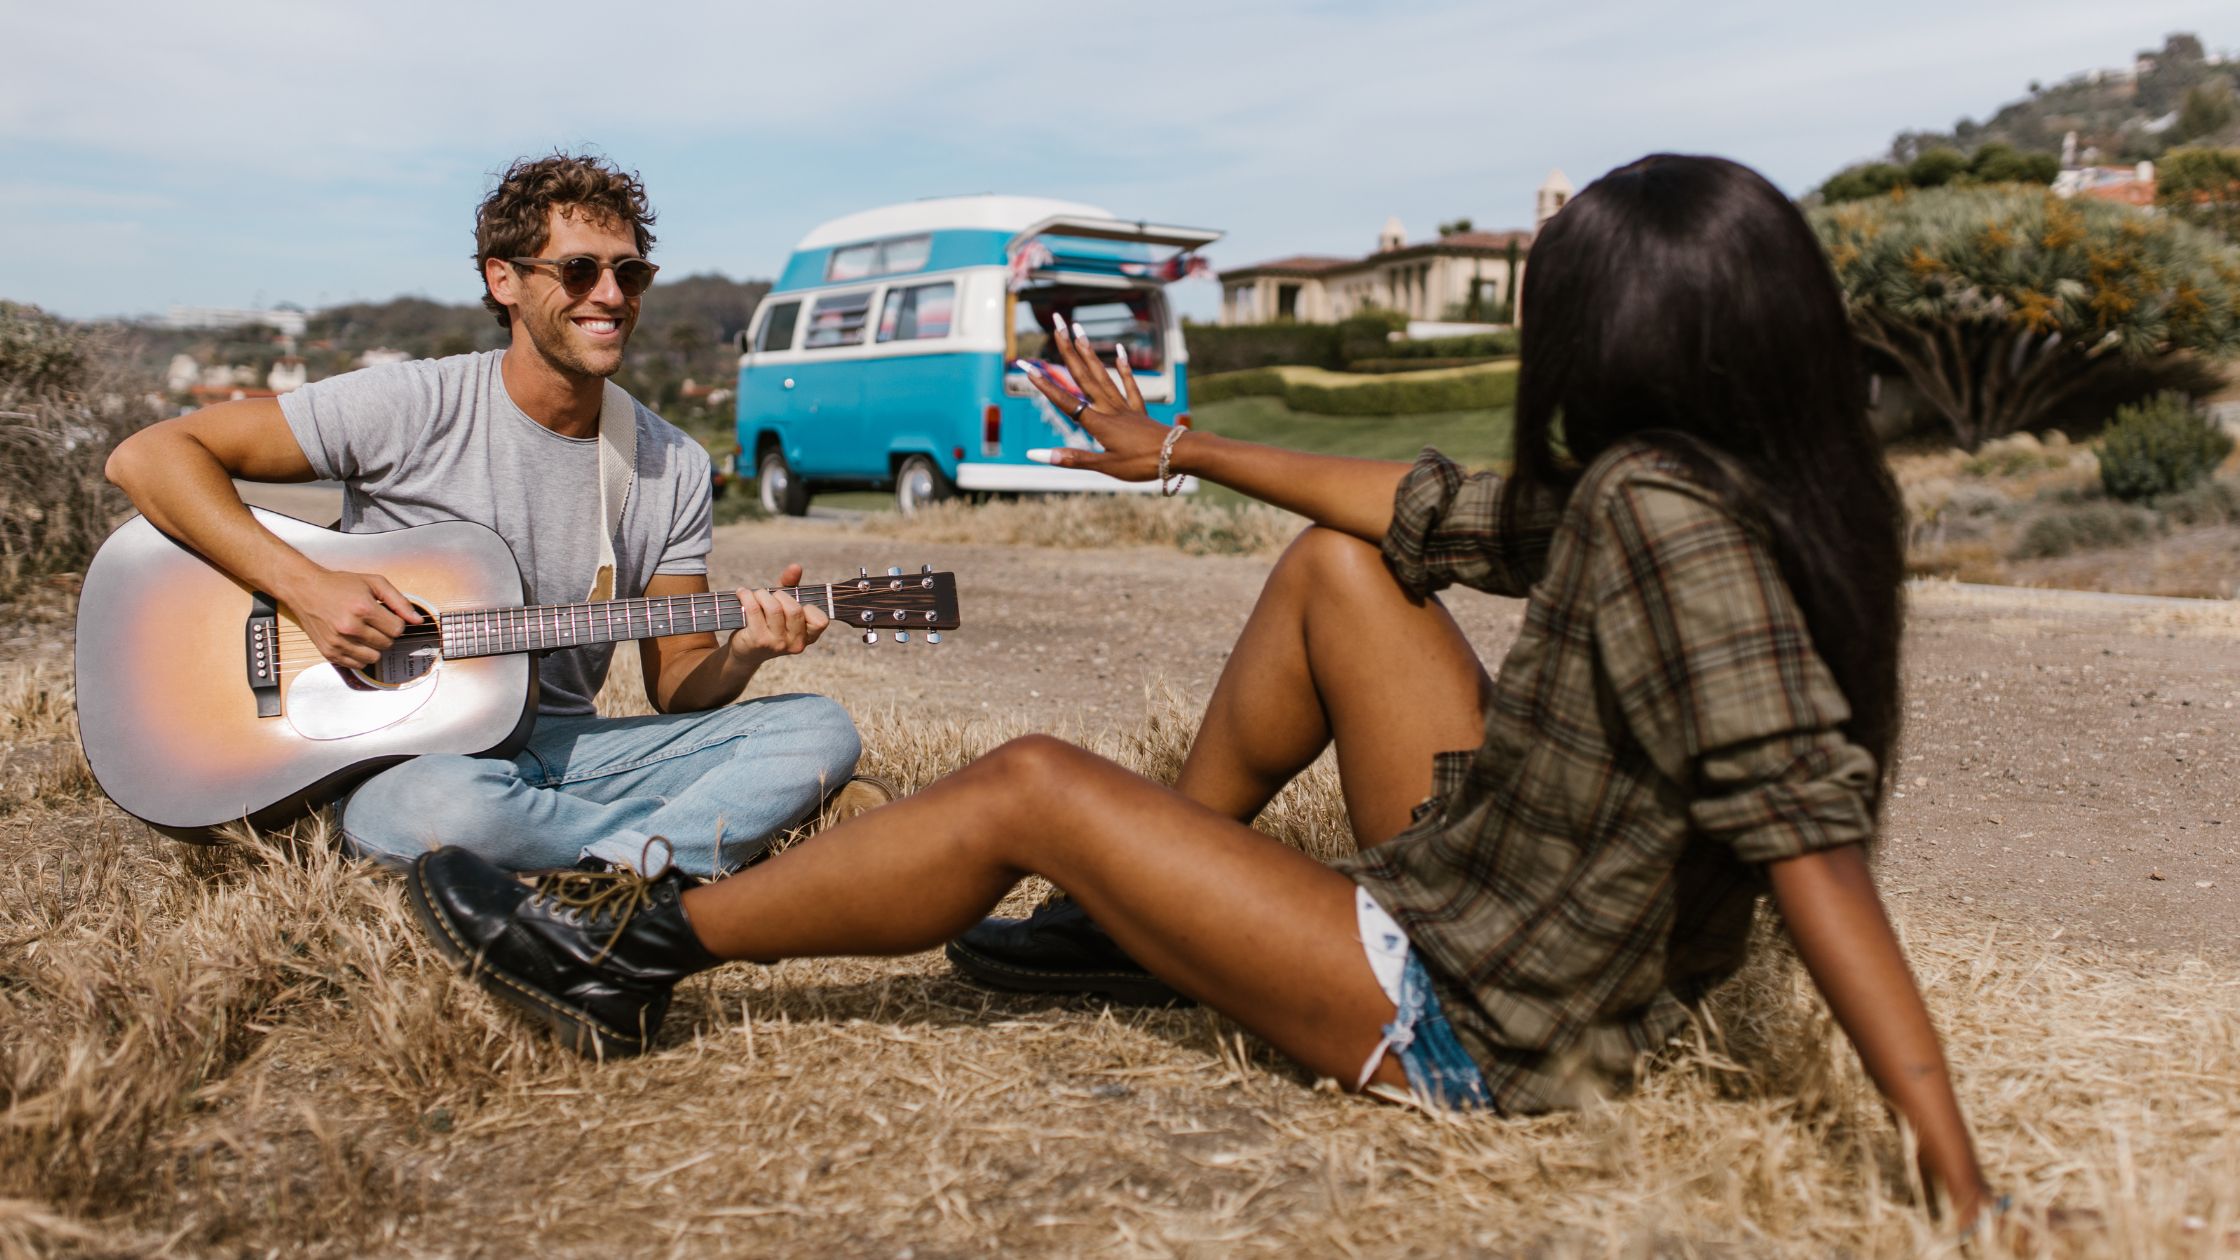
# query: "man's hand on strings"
350, 617
1114, 415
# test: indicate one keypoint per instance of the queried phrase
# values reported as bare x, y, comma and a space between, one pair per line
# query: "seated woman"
1701, 705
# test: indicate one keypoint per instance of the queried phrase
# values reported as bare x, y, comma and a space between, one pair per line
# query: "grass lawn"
1476, 439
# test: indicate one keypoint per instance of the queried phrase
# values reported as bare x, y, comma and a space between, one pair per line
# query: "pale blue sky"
239, 152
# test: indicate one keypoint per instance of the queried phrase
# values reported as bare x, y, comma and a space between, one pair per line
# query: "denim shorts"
1440, 1072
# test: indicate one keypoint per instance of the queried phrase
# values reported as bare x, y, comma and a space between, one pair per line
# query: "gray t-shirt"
440, 439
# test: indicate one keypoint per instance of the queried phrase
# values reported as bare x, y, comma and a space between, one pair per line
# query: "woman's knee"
1325, 557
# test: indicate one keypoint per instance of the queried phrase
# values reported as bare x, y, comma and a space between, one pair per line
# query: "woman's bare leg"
1336, 650
1240, 922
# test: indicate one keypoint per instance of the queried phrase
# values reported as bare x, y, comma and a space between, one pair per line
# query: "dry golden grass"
1100, 520
251, 1050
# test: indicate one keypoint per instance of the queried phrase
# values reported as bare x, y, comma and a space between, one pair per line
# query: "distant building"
287, 375
279, 319
1423, 281
380, 355
2131, 185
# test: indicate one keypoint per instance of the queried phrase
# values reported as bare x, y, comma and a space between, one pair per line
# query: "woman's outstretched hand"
1114, 417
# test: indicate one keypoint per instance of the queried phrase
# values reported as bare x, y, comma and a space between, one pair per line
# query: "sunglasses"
580, 275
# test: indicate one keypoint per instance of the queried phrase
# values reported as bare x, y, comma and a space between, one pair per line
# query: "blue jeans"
716, 785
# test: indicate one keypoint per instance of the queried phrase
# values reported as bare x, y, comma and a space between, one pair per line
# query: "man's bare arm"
686, 673
180, 473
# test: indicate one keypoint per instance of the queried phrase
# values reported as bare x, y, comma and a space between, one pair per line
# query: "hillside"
2135, 111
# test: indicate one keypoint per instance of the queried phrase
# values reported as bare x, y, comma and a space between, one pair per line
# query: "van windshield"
1128, 318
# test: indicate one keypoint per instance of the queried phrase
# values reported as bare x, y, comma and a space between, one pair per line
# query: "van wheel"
781, 492
918, 482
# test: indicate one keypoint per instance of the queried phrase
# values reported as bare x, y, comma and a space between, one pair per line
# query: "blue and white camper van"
882, 357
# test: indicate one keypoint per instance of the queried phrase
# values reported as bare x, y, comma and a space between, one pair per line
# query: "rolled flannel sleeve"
1448, 529
1709, 658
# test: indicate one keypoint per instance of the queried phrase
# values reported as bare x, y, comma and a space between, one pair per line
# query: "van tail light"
1182, 420
991, 430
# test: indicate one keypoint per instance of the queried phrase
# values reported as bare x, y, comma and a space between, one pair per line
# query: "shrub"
2209, 503
2085, 527
1345, 394
1378, 366
2017, 455
1492, 345
1219, 348
60, 413
1254, 382
2158, 447
1367, 334
1461, 389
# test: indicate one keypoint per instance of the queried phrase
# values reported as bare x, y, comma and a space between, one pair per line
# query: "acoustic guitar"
201, 702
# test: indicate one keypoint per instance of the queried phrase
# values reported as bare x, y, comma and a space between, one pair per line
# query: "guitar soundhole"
410, 659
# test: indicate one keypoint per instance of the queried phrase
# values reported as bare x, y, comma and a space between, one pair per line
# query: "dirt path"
2069, 768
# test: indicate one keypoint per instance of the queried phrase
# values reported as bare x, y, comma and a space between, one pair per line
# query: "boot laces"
594, 898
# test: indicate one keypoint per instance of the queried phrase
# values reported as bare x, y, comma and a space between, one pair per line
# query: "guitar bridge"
261, 653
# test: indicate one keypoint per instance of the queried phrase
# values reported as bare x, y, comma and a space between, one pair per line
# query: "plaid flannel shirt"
1660, 727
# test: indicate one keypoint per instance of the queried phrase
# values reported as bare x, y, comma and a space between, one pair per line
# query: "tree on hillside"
1996, 162
2202, 185
2001, 302
2208, 109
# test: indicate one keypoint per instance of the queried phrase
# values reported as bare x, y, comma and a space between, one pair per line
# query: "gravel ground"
2068, 768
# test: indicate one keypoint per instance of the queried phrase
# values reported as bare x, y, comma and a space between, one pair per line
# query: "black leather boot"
593, 953
1057, 949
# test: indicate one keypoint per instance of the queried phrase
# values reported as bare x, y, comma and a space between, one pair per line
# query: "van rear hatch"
1081, 248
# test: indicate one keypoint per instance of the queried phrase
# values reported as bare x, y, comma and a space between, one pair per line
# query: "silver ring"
1078, 410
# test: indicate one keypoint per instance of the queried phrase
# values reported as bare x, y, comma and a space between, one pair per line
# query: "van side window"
777, 327
878, 258
838, 320
918, 313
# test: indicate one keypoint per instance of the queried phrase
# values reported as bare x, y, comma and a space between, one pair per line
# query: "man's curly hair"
512, 221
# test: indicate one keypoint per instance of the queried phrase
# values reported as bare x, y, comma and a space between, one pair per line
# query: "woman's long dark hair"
1684, 301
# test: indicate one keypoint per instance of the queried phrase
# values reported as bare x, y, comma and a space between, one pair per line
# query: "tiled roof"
1297, 264
1478, 243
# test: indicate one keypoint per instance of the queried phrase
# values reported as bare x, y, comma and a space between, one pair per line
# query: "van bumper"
1044, 479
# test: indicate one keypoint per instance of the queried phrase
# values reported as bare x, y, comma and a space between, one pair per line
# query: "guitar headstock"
894, 602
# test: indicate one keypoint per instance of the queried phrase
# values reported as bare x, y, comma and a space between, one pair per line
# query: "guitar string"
546, 619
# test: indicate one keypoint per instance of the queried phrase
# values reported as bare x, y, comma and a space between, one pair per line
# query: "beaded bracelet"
1166, 450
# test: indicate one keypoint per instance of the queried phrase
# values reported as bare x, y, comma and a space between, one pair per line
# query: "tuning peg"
902, 636
933, 637
870, 636
862, 572
925, 568
894, 570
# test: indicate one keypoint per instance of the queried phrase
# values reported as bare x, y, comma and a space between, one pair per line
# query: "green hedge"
1217, 348
1334, 394
1254, 382
1491, 345
1377, 366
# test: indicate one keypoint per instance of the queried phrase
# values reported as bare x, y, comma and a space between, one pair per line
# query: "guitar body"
170, 713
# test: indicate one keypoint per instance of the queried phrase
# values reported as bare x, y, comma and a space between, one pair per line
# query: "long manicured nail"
1043, 455
1078, 333
1058, 327
1029, 366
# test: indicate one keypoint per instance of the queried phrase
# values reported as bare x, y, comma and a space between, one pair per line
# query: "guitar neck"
545, 627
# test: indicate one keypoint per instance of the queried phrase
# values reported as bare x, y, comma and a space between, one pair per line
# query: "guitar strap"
618, 470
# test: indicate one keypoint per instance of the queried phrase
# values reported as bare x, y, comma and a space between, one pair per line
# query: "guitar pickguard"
324, 703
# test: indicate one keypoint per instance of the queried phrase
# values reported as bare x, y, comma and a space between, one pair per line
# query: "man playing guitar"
534, 442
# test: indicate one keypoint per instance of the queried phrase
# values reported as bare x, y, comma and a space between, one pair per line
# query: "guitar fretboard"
544, 627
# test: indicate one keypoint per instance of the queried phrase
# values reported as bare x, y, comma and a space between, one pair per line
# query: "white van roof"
999, 213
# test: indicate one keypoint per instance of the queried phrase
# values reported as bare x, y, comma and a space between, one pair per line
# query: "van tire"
920, 481
781, 492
